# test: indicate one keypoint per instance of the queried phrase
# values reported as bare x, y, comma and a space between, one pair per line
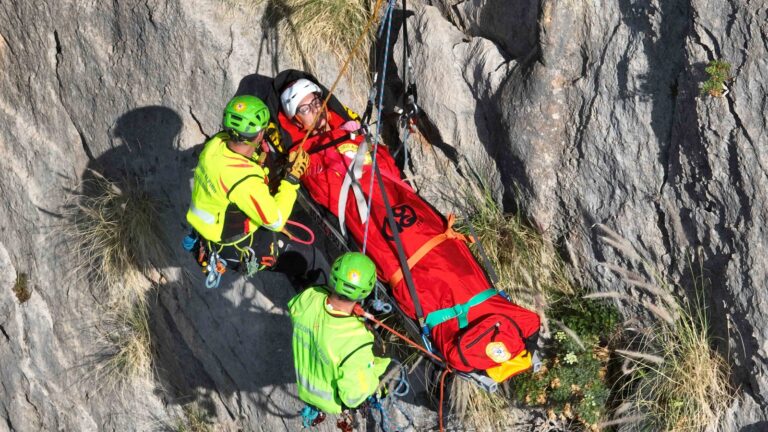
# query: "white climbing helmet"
292, 96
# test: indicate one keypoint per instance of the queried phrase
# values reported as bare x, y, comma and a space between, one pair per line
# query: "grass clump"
126, 333
314, 26
686, 388
118, 235
116, 232
673, 378
526, 264
21, 288
194, 420
476, 408
719, 73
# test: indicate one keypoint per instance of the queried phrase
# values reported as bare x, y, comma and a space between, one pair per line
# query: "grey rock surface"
599, 119
131, 88
577, 112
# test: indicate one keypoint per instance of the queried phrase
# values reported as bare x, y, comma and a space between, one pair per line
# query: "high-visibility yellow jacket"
334, 362
231, 196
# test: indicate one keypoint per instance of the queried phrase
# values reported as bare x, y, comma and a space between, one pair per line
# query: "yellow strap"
428, 246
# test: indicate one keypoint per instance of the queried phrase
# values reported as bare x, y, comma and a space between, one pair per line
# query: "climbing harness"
209, 254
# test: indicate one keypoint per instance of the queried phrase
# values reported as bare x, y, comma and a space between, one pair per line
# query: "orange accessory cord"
428, 246
358, 310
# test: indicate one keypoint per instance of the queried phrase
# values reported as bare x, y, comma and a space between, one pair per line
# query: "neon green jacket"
231, 196
335, 366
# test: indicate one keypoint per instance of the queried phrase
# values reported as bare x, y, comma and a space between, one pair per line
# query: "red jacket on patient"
446, 274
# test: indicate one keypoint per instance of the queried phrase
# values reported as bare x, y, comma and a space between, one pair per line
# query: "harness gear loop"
428, 246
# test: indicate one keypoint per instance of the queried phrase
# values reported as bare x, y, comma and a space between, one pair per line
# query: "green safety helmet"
353, 276
245, 116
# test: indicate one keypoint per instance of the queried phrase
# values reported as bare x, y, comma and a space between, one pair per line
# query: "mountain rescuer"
332, 348
232, 209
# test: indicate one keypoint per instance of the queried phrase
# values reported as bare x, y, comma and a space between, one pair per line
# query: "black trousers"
305, 265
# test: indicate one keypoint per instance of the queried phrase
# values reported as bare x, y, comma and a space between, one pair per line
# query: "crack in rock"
59, 58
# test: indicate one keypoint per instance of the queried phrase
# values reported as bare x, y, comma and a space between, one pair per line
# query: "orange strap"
428, 246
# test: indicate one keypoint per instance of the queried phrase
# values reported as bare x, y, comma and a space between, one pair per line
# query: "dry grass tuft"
517, 251
313, 26
478, 409
125, 332
118, 236
674, 379
120, 244
194, 420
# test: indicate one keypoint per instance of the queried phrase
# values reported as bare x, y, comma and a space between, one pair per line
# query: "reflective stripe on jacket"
334, 362
231, 196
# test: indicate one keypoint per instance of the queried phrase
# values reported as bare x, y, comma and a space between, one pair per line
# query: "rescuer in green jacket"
232, 208
332, 348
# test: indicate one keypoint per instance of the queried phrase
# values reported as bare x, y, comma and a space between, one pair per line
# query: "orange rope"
358, 310
442, 390
347, 62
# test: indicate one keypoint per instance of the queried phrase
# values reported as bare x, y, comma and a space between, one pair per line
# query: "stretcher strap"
428, 246
460, 311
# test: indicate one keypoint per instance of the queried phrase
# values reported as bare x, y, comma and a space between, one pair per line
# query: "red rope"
302, 227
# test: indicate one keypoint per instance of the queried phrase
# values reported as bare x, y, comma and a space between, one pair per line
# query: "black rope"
400, 250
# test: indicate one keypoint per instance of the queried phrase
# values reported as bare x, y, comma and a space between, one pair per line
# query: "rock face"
598, 118
577, 112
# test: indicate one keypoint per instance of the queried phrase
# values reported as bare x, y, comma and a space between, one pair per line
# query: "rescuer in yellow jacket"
332, 348
232, 208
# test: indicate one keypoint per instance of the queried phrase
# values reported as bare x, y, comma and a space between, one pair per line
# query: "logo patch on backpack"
498, 352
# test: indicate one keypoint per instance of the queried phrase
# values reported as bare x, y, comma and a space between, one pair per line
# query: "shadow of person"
226, 349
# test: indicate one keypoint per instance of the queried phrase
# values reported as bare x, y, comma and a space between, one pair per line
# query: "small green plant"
573, 382
719, 73
21, 288
194, 420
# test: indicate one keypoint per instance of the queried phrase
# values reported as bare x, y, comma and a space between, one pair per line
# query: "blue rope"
375, 403
388, 19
